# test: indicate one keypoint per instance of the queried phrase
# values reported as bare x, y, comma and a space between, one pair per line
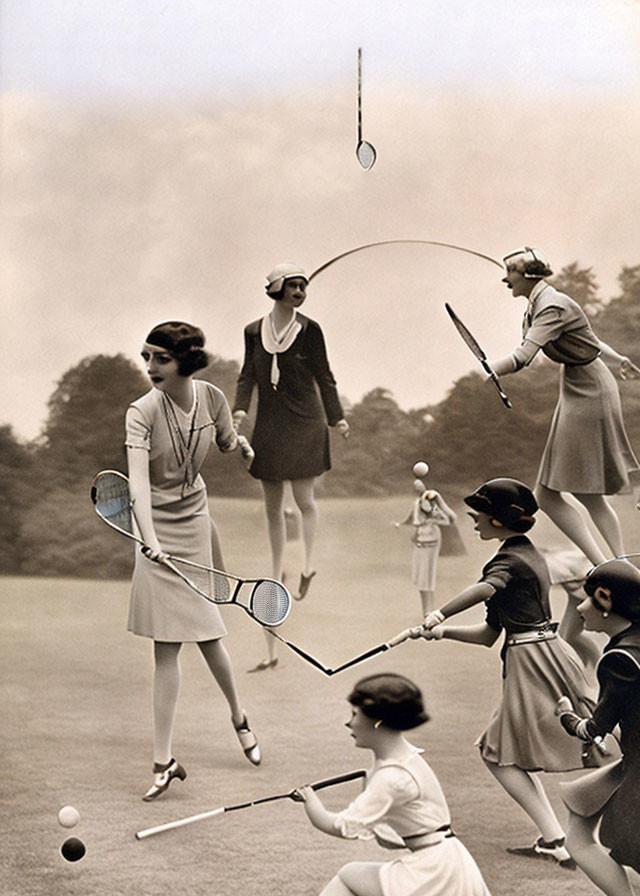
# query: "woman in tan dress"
587, 453
168, 434
429, 512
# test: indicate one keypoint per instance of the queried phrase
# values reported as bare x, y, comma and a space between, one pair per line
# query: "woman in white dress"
587, 453
168, 434
402, 805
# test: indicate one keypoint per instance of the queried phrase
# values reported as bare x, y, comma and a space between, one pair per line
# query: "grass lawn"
76, 691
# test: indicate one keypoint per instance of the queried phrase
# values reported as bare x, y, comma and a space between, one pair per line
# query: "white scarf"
274, 344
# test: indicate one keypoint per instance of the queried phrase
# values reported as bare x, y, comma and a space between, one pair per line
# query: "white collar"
274, 344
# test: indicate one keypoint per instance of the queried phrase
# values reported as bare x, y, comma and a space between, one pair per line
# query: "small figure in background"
428, 513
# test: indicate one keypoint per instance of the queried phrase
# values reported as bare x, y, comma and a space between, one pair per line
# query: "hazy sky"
155, 48
158, 158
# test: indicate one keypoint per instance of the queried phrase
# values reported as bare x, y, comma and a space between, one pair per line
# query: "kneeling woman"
610, 796
402, 806
168, 434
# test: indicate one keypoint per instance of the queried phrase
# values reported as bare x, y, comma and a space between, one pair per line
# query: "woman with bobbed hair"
169, 431
402, 805
522, 737
286, 358
587, 453
607, 801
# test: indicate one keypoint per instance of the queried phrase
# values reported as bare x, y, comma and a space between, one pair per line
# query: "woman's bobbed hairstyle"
391, 699
618, 580
184, 341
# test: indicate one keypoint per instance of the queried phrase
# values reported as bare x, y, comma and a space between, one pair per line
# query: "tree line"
48, 527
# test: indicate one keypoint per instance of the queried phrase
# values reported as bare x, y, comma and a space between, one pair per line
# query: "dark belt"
415, 842
531, 637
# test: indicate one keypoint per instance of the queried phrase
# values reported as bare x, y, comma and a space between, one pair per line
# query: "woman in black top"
285, 357
610, 796
538, 665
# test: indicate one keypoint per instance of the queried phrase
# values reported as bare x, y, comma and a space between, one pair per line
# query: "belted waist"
533, 636
431, 838
425, 544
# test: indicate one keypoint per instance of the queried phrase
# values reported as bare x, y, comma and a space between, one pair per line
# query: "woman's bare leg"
529, 794
594, 860
427, 601
273, 493
359, 878
569, 521
605, 519
217, 659
166, 689
304, 496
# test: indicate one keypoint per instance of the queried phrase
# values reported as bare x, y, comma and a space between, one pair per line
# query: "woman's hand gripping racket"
291, 795
269, 601
477, 351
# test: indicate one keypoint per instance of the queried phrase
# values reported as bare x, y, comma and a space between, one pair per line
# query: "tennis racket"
373, 651
269, 601
290, 794
477, 351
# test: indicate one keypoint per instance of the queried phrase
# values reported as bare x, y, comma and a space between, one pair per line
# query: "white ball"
420, 469
68, 817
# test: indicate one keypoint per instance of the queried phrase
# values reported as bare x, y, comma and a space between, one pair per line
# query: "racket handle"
339, 779
402, 636
149, 832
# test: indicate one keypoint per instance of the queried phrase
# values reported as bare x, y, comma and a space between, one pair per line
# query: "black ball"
73, 849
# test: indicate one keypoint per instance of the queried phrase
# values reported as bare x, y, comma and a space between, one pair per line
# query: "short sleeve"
385, 788
137, 430
498, 573
226, 437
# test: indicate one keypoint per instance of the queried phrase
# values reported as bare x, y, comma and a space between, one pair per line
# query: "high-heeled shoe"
165, 773
248, 741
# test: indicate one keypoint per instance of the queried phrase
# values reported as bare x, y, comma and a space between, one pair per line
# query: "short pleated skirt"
162, 606
424, 562
524, 731
445, 869
587, 449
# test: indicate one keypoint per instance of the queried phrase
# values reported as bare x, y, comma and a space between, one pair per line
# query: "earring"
377, 724
605, 613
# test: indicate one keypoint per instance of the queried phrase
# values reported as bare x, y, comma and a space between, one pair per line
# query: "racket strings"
112, 501
270, 603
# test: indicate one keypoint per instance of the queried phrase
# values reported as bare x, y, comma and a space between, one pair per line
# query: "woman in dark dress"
285, 357
538, 665
610, 796
587, 453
